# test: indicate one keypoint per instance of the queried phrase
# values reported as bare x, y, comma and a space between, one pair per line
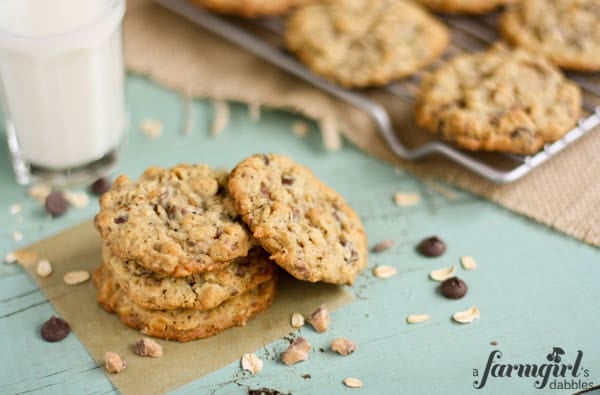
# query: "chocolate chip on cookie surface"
306, 226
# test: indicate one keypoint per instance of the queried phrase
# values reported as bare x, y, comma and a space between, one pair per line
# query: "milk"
62, 77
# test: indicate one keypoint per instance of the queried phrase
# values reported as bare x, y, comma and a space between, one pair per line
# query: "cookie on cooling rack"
249, 8
464, 6
362, 43
307, 227
565, 31
500, 100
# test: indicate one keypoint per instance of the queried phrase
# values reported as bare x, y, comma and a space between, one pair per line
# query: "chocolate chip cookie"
464, 6
499, 100
199, 291
361, 43
307, 227
182, 324
249, 8
565, 31
175, 222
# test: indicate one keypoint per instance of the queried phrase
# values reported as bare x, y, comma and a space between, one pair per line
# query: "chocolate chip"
432, 246
287, 180
100, 186
55, 329
121, 220
56, 203
264, 190
266, 160
453, 288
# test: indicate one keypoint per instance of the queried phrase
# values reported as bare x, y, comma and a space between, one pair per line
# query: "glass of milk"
62, 87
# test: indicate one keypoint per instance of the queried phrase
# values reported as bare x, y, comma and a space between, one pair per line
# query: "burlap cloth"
564, 193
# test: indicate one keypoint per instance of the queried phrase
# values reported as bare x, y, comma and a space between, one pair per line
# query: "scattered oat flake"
40, 192
77, 199
10, 258
251, 363
331, 136
468, 262
406, 199
152, 128
297, 320
220, 117
383, 245
26, 257
43, 268
15, 209
352, 382
300, 128
76, 277
467, 316
384, 271
443, 274
417, 318
17, 236
254, 111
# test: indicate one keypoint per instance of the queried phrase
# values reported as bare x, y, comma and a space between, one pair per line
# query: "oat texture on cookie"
306, 226
500, 100
464, 6
176, 221
361, 43
249, 8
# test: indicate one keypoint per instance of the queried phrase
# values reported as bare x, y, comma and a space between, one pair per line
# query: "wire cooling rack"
263, 37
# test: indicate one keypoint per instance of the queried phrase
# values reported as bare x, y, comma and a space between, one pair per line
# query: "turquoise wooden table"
537, 290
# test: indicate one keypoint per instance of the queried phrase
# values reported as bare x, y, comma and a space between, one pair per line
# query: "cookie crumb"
220, 117
114, 363
146, 347
343, 346
443, 274
405, 199
17, 236
76, 277
297, 320
251, 363
77, 199
384, 271
468, 262
152, 128
10, 258
467, 316
296, 352
300, 128
43, 268
15, 209
352, 382
417, 318
39, 192
319, 319
494, 343
383, 245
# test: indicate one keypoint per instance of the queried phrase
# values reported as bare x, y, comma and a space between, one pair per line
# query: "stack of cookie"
179, 261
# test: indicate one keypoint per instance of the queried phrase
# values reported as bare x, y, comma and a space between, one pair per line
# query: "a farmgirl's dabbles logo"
558, 371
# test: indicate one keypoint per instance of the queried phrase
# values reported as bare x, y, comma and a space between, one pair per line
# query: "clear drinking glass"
62, 87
